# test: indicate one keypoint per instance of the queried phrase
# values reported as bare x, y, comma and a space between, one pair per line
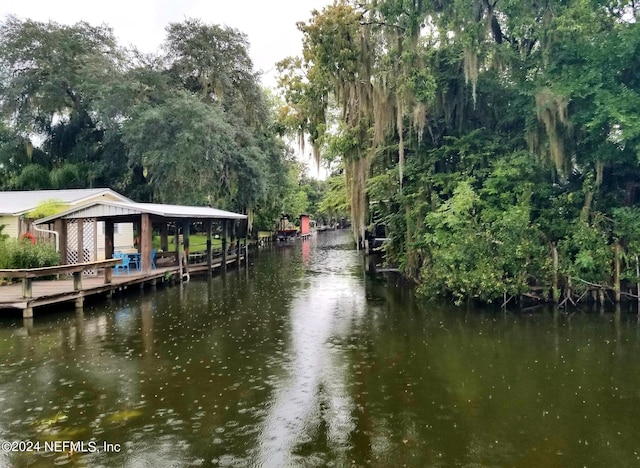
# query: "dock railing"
29, 274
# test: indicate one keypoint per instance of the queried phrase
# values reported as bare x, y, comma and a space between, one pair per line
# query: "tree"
525, 108
182, 145
213, 61
190, 126
48, 73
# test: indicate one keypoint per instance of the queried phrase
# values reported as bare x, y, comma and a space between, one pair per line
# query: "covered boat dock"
96, 277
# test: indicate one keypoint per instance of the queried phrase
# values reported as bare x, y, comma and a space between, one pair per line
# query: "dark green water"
304, 361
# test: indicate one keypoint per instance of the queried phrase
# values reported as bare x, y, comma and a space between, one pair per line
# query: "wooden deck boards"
49, 292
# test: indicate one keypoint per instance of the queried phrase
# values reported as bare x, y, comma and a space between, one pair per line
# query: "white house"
15, 206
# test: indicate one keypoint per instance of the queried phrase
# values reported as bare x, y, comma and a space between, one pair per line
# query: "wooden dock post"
186, 243
27, 323
77, 280
176, 242
164, 237
108, 238
77, 286
145, 242
208, 225
27, 288
60, 226
108, 275
224, 245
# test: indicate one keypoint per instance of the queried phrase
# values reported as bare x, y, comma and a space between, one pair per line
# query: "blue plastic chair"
135, 260
124, 265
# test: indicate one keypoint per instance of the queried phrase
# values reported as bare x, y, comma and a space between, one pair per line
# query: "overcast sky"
269, 24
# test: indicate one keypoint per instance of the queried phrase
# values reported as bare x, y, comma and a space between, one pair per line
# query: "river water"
303, 360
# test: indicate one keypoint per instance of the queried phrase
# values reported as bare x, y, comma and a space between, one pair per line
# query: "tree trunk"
588, 196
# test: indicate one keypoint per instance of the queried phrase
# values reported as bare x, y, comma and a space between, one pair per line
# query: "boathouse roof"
18, 202
108, 209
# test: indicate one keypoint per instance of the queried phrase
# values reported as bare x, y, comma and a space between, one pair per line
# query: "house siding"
122, 240
14, 226
11, 226
106, 196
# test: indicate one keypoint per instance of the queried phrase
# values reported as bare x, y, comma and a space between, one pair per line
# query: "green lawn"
197, 242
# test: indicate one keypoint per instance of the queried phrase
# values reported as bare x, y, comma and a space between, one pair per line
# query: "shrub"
24, 254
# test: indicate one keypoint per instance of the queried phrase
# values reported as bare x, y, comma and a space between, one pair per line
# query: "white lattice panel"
88, 253
72, 241
89, 241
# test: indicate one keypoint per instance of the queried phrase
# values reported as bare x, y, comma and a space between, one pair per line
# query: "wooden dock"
32, 294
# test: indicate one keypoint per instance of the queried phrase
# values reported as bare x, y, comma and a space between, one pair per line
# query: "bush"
155, 242
24, 254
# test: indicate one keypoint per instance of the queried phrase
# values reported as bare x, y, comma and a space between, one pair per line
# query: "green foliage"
491, 131
51, 76
294, 201
33, 177
483, 132
334, 203
626, 221
480, 253
23, 254
47, 208
191, 125
181, 142
586, 254
213, 61
315, 191
67, 176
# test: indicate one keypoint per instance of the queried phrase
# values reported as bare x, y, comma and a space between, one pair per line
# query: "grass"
197, 242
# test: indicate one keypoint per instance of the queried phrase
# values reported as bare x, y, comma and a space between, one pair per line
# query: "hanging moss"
419, 119
357, 173
400, 127
471, 71
383, 112
552, 111
29, 149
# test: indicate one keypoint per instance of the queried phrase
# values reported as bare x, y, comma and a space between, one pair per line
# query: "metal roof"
106, 209
15, 203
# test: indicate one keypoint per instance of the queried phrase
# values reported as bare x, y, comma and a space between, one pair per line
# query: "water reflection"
314, 398
302, 360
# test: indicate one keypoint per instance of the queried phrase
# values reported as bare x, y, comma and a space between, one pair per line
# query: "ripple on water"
230, 460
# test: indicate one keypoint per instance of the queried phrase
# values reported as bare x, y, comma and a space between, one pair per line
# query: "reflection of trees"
485, 389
